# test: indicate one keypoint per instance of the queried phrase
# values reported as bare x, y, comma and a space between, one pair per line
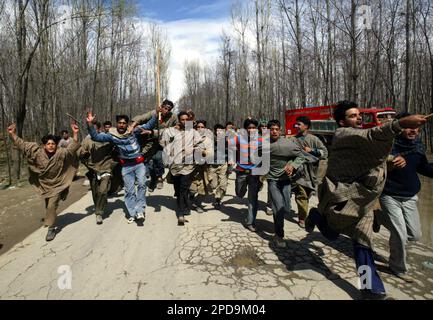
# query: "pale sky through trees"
194, 29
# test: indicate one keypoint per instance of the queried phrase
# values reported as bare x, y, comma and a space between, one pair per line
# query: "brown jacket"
50, 175
355, 178
97, 156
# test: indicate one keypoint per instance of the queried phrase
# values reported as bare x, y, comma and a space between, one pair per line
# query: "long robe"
355, 178
52, 175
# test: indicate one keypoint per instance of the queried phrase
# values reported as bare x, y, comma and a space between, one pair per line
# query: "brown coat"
355, 178
50, 175
98, 155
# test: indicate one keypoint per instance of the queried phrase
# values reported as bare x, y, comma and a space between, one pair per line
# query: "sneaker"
131, 220
99, 219
279, 242
140, 216
51, 234
301, 223
160, 183
251, 228
199, 209
180, 221
269, 211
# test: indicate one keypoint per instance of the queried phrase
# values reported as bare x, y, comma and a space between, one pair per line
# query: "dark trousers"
100, 190
279, 192
182, 184
364, 259
51, 206
156, 168
116, 180
246, 181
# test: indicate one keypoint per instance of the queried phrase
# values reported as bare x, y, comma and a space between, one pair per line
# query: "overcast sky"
194, 29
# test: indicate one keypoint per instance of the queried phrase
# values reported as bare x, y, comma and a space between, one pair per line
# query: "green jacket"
284, 152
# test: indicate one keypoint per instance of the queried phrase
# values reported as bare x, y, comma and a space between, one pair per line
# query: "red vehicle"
323, 123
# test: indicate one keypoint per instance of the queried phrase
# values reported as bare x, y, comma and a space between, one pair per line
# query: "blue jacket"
127, 143
405, 182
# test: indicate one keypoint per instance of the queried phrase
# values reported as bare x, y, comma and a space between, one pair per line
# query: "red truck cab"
323, 123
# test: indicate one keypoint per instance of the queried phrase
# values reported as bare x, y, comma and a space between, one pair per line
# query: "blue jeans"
400, 216
280, 194
244, 180
135, 200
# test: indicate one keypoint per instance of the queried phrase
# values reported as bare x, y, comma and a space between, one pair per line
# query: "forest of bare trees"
284, 54
67, 56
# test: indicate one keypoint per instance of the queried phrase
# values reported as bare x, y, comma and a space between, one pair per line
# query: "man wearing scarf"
399, 198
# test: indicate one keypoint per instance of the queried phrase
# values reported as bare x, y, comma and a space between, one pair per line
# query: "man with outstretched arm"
353, 182
131, 160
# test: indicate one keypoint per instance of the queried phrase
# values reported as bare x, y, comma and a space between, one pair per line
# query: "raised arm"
28, 148
96, 136
74, 145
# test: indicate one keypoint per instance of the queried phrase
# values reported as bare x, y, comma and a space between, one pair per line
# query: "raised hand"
12, 129
90, 117
74, 127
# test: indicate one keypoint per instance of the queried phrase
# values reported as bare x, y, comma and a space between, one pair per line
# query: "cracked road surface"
212, 257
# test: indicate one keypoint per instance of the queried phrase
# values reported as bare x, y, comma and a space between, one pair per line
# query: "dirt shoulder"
22, 210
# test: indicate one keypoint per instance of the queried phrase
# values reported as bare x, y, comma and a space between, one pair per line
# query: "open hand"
90, 117
12, 129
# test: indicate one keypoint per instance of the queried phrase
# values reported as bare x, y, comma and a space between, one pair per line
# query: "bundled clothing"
399, 200
51, 175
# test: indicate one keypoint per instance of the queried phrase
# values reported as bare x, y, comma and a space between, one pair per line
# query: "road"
212, 257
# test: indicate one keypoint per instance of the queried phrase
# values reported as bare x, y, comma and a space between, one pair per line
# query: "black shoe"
51, 234
251, 228
217, 204
199, 209
181, 221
